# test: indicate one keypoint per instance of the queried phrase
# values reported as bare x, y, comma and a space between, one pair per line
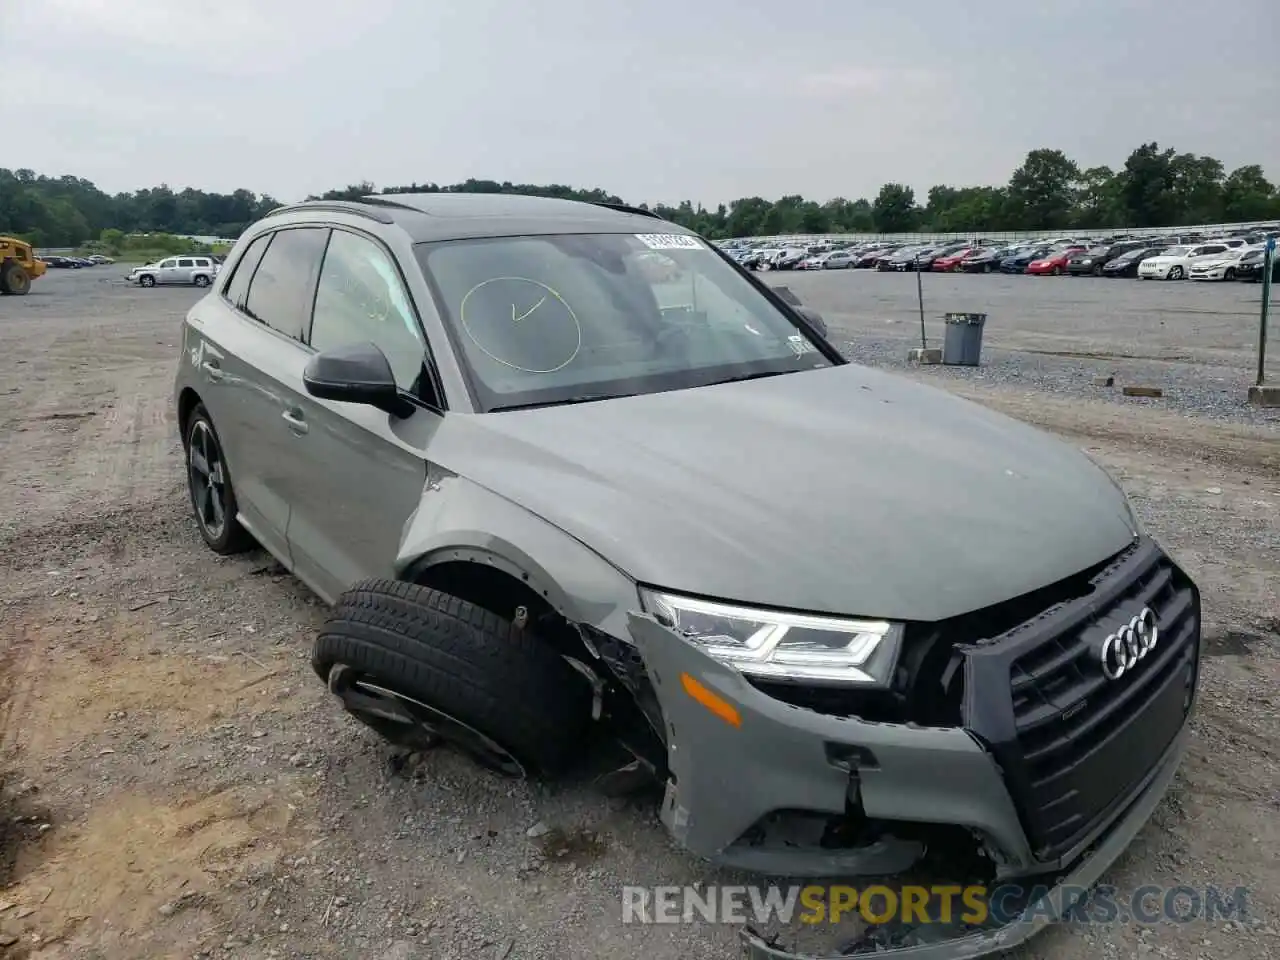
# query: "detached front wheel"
419, 667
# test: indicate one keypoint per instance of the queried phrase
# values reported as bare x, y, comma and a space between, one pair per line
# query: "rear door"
358, 473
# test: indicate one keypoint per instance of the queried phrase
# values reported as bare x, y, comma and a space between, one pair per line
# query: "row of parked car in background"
74, 263
193, 270
1235, 256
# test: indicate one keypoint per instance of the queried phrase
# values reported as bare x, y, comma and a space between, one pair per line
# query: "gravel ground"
1196, 341
181, 785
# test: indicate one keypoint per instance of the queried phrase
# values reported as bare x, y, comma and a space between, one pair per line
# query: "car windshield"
543, 320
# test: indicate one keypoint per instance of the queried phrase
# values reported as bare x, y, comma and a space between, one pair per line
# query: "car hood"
1214, 262
840, 490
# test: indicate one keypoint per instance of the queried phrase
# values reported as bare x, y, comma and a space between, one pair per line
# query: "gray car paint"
839, 490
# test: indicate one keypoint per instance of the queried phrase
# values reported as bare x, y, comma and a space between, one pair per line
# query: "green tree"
1146, 187
1247, 195
1043, 190
1100, 201
895, 210
1155, 188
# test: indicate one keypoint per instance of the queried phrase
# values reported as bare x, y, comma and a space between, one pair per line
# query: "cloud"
851, 79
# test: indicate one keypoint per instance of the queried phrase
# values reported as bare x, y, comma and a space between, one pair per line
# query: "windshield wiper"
579, 398
750, 376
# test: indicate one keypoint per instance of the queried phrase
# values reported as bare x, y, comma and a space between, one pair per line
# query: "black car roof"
452, 216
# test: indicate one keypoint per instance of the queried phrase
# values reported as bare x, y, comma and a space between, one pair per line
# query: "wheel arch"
188, 400
466, 535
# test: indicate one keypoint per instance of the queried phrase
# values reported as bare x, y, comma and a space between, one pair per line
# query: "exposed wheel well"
502, 594
187, 401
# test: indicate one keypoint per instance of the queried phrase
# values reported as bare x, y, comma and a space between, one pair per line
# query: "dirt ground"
179, 784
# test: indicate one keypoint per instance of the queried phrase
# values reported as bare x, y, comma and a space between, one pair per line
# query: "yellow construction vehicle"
18, 266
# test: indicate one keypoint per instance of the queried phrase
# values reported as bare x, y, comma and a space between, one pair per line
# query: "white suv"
199, 271
1175, 263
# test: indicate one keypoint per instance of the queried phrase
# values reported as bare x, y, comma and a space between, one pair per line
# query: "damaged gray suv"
564, 468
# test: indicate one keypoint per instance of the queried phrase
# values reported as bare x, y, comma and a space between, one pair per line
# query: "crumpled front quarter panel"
458, 520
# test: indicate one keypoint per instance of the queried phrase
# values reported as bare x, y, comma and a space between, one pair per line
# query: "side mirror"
814, 318
356, 373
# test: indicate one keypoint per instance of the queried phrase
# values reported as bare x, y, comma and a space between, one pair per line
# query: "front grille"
1076, 744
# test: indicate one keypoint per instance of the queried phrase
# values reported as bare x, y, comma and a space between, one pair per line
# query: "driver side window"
360, 298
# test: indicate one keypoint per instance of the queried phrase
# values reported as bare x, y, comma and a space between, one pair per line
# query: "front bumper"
1039, 915
728, 776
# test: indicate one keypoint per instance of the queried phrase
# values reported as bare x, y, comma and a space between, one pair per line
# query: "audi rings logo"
1122, 650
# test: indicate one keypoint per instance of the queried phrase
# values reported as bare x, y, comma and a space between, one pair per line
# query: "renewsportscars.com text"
976, 905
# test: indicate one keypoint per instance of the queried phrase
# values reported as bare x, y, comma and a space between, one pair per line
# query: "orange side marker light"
716, 704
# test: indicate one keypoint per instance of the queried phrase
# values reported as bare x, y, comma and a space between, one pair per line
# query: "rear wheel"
201, 280
14, 279
213, 499
419, 666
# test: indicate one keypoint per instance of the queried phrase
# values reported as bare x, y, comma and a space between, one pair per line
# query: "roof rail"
355, 207
384, 200
625, 208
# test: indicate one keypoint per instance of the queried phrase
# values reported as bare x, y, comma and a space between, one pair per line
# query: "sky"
659, 101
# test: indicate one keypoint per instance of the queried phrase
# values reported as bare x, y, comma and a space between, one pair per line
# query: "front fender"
458, 520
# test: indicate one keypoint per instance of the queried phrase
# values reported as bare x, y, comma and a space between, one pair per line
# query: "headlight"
783, 646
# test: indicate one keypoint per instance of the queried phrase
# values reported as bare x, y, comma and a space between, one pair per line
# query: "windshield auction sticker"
668, 241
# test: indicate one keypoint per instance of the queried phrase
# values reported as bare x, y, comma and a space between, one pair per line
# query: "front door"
261, 371
166, 269
364, 470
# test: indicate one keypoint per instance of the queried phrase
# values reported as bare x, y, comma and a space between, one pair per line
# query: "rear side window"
238, 284
284, 284
186, 263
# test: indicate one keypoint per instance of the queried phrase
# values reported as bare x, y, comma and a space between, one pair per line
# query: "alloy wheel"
208, 479
415, 725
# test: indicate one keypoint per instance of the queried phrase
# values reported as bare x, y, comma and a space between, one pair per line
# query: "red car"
1055, 264
951, 261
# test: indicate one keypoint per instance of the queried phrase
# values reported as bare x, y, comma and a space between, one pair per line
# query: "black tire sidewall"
464, 661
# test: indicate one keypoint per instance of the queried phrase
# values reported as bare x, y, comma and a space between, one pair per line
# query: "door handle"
295, 421
212, 370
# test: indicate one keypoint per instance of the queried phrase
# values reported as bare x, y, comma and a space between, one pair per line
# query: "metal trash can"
963, 345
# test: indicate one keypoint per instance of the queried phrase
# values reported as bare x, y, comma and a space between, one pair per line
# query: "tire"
1057, 271
1097, 271
146, 280
200, 280
226, 537
1230, 274
1175, 273
14, 280
448, 655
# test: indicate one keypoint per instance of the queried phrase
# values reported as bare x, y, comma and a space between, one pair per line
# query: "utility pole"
1261, 393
